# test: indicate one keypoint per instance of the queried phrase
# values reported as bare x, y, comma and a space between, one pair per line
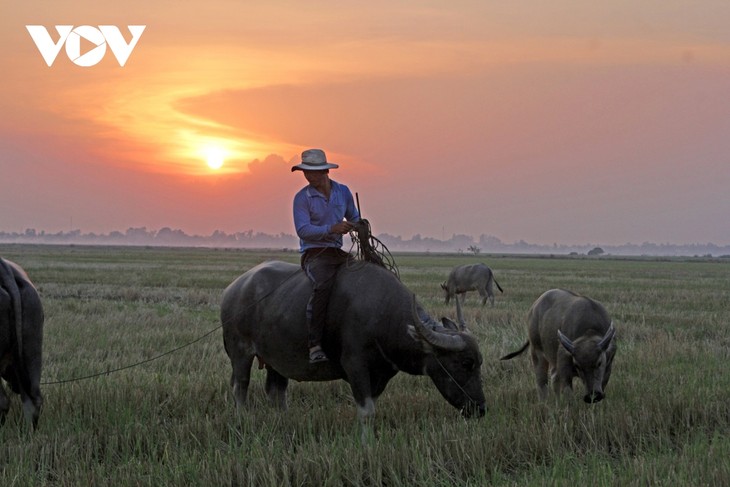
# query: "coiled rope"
371, 249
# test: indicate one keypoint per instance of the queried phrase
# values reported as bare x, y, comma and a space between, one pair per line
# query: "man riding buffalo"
324, 210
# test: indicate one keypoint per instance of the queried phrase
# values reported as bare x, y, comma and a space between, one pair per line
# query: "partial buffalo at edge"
21, 340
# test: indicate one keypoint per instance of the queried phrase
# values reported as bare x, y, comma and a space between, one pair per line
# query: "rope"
151, 359
371, 249
454, 380
75, 379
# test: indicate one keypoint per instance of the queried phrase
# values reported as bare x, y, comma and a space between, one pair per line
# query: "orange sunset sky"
551, 122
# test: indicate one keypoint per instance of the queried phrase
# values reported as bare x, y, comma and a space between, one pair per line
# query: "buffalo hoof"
593, 398
474, 410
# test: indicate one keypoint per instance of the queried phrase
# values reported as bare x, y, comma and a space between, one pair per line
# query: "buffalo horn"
566, 342
603, 344
446, 341
459, 314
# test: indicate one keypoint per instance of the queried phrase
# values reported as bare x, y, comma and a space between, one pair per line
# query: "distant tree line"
458, 243
165, 236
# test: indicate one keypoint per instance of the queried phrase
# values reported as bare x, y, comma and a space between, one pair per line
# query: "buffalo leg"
241, 353
540, 365
484, 294
563, 383
241, 363
365, 405
379, 381
4, 404
29, 391
365, 402
32, 406
32, 354
276, 385
359, 379
562, 387
6, 356
490, 292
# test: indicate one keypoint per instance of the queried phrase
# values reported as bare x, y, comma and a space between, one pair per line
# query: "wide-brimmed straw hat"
314, 160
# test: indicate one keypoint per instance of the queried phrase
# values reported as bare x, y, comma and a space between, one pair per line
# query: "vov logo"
70, 36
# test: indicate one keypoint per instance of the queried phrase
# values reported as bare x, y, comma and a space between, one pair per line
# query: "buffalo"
21, 340
471, 277
374, 329
570, 335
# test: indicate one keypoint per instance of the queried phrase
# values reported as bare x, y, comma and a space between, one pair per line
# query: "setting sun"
214, 157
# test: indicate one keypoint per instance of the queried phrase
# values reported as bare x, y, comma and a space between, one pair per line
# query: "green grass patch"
171, 420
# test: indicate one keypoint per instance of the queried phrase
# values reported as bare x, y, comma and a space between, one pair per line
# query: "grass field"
171, 420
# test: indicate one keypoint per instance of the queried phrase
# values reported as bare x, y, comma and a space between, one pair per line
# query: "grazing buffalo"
471, 277
21, 340
372, 332
570, 335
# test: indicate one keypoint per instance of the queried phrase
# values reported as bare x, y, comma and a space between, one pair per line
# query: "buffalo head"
453, 362
592, 358
447, 295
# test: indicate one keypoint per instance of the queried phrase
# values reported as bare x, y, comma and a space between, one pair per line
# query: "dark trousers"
321, 267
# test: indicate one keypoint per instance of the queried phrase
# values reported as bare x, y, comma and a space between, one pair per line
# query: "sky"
563, 122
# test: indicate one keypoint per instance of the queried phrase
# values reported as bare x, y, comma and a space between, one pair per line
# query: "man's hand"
342, 227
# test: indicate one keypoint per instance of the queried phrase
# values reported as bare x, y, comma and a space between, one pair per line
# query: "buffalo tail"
514, 354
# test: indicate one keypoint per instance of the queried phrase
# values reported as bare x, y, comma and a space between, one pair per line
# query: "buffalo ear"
449, 324
565, 341
425, 346
438, 340
607, 338
444, 287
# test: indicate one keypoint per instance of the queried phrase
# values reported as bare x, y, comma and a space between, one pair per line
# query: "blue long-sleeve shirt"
314, 215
